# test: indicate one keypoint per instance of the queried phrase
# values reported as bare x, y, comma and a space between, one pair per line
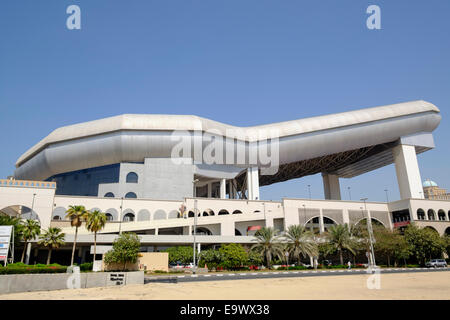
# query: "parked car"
436, 263
327, 263
176, 265
189, 266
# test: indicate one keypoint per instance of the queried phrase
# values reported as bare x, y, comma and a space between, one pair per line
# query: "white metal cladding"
132, 138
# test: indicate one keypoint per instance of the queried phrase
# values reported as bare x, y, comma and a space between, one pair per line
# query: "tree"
125, 249
53, 239
233, 256
31, 229
340, 239
390, 243
301, 242
76, 214
212, 258
95, 222
425, 243
181, 254
268, 244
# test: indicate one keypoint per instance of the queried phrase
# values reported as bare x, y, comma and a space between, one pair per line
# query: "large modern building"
143, 170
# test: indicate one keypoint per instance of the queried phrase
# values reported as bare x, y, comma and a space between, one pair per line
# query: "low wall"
43, 282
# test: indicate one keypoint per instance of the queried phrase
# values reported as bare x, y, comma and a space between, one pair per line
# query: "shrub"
87, 266
21, 268
233, 255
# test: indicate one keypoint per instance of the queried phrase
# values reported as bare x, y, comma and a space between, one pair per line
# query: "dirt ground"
435, 285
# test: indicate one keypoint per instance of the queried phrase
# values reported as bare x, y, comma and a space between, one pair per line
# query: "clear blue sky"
243, 62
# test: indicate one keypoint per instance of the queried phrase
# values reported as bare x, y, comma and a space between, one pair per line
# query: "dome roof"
429, 183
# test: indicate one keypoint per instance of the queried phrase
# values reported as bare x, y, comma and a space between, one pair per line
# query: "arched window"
109, 217
441, 215
431, 215
56, 218
128, 217
131, 195
223, 211
420, 214
132, 177
109, 195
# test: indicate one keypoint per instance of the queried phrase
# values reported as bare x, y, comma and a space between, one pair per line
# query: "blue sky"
243, 62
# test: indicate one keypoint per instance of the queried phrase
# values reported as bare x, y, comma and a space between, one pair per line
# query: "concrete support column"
408, 173
156, 231
331, 187
345, 217
223, 188
253, 183
230, 187
321, 225
209, 189
269, 222
227, 228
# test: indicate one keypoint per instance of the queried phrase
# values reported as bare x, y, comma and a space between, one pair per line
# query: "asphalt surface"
278, 274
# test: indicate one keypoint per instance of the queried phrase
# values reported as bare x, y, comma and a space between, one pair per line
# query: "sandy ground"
421, 286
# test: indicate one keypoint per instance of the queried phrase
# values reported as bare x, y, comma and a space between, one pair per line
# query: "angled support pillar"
331, 187
408, 174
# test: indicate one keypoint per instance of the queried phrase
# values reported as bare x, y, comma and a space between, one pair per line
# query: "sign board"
117, 279
5, 240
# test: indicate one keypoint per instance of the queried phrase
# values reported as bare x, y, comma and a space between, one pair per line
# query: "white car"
436, 263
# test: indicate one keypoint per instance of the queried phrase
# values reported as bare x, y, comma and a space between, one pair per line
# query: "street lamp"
349, 193
369, 228
120, 218
195, 231
309, 191
387, 197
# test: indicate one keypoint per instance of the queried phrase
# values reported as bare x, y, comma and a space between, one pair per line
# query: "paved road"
278, 274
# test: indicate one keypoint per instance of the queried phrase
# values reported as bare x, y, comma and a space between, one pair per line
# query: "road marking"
219, 275
207, 275
295, 272
333, 271
231, 274
243, 274
275, 272
254, 273
341, 270
181, 276
194, 276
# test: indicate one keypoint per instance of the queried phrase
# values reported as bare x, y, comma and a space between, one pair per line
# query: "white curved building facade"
142, 156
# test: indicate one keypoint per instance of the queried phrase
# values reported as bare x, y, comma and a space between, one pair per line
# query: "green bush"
21, 268
233, 255
87, 266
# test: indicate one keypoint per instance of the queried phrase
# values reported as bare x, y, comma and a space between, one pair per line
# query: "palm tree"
95, 222
301, 242
268, 244
76, 214
53, 239
30, 230
339, 238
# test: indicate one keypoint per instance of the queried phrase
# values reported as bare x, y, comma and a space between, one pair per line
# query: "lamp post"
120, 218
369, 228
387, 196
309, 191
195, 231
349, 193
304, 212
